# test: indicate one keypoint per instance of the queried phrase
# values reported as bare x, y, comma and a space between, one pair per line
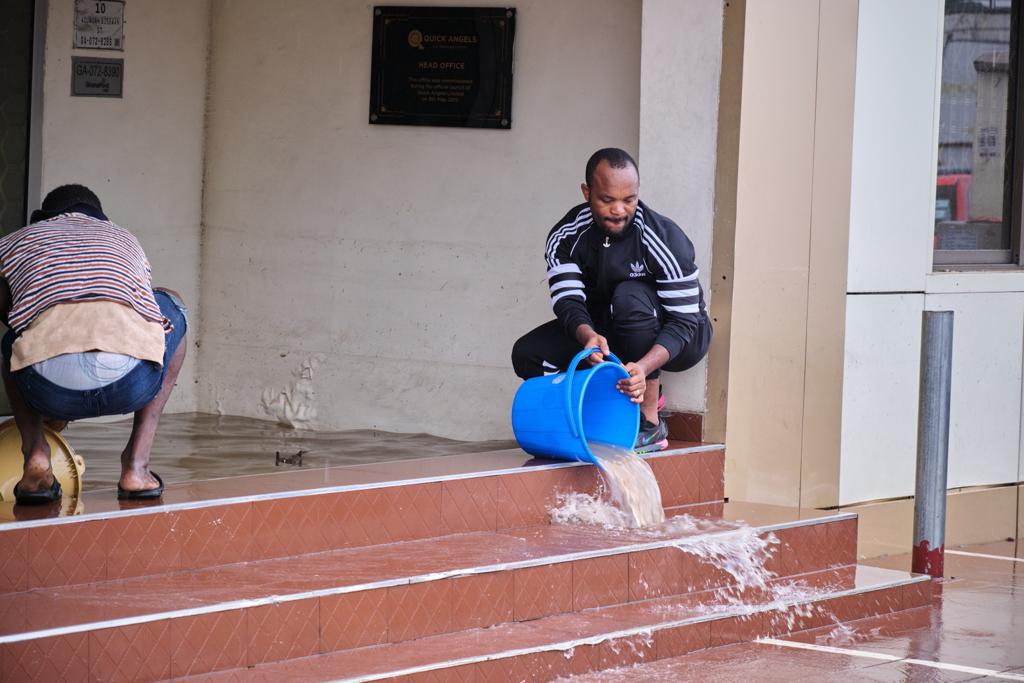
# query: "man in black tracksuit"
622, 276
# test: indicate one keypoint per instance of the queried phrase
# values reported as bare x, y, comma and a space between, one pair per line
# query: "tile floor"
976, 620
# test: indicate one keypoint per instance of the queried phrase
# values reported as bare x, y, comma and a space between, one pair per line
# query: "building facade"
832, 161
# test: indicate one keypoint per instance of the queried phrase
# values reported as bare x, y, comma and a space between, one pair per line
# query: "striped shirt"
584, 266
75, 258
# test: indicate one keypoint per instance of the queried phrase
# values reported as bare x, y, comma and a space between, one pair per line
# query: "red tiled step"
766, 660
389, 593
605, 637
259, 517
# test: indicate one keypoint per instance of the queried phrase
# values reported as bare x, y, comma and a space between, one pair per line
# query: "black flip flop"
38, 497
145, 494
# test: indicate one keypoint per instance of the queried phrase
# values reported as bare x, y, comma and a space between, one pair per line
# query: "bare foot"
138, 480
37, 474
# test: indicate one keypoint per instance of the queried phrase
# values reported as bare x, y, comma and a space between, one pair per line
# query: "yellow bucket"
67, 466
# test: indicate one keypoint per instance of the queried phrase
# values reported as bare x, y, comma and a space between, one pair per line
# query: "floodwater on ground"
198, 446
973, 630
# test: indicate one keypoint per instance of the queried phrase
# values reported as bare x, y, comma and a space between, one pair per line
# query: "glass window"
976, 220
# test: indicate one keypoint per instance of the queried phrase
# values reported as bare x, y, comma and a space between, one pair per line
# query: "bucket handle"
568, 384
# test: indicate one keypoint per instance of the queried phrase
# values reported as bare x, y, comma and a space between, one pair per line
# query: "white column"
680, 65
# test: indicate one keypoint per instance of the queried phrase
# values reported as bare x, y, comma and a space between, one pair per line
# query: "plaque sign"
99, 24
442, 66
97, 77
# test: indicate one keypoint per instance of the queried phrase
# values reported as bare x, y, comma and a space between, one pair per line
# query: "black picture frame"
442, 66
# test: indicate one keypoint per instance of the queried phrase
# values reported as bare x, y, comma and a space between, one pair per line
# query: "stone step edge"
643, 631
341, 488
567, 645
249, 603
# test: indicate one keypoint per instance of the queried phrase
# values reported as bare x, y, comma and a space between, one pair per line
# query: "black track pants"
633, 325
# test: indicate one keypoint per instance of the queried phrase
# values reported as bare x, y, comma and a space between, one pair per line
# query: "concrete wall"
792, 209
679, 81
142, 154
377, 276
891, 283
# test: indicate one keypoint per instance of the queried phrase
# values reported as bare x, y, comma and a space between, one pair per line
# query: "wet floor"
198, 446
974, 630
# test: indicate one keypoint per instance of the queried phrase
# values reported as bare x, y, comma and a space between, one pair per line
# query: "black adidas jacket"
585, 265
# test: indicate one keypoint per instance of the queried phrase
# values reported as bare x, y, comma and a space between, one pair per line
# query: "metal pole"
933, 442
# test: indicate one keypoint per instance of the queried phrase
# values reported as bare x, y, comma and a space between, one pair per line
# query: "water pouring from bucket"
581, 415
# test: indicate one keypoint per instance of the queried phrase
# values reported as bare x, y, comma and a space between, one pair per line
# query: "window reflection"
971, 188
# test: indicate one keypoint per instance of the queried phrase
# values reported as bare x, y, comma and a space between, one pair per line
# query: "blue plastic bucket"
554, 416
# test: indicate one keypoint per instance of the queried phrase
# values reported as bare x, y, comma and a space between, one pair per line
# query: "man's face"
613, 194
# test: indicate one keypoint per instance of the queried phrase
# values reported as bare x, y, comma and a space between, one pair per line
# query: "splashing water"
636, 504
735, 548
632, 484
741, 553
841, 634
582, 509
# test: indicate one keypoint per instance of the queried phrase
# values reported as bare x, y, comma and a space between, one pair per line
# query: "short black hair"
616, 158
62, 198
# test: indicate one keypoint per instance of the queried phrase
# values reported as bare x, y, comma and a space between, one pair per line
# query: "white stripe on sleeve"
569, 292
685, 278
674, 294
661, 252
692, 308
574, 284
564, 231
564, 268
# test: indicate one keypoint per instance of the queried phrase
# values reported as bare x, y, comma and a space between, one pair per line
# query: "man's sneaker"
661, 398
652, 437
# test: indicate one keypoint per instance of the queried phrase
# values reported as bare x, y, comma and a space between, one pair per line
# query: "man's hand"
601, 343
589, 338
635, 385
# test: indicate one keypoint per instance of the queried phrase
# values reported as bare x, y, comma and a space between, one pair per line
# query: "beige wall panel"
985, 407
402, 262
724, 242
826, 296
880, 390
979, 515
885, 528
766, 399
895, 145
972, 516
678, 130
143, 153
766, 359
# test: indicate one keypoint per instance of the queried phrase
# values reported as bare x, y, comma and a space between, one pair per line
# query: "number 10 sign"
99, 24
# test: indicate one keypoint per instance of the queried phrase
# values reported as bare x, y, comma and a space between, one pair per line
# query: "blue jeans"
126, 395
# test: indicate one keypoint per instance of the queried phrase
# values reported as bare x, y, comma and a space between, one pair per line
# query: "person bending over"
620, 275
88, 336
